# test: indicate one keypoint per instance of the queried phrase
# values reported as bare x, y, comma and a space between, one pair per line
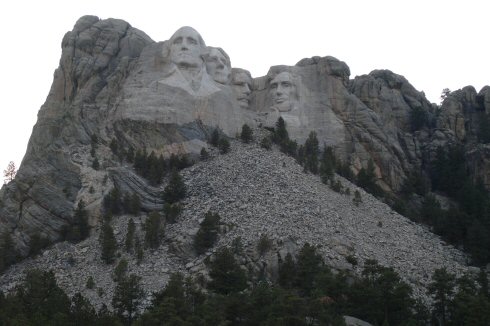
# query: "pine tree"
127, 298
327, 164
120, 271
215, 137
442, 290
153, 230
280, 132
175, 190
134, 204
81, 220
247, 134
204, 154
107, 242
224, 145
311, 153
129, 242
172, 212
207, 234
225, 273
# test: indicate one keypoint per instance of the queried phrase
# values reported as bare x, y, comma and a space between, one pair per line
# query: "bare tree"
10, 172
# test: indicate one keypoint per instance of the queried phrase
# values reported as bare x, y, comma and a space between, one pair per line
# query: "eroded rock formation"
114, 82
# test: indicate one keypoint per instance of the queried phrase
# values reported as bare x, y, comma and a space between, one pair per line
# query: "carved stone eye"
178, 40
191, 41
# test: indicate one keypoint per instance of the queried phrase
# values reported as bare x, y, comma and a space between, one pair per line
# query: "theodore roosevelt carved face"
241, 83
218, 65
283, 91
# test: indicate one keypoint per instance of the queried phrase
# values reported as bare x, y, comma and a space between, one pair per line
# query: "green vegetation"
107, 242
307, 293
207, 234
153, 230
8, 253
130, 234
247, 134
176, 189
264, 245
224, 145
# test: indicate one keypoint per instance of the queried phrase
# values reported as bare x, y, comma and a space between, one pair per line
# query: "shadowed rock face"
115, 82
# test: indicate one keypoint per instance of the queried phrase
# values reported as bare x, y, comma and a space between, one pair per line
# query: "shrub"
266, 143
357, 200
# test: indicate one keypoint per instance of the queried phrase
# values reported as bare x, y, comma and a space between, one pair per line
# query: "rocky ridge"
258, 192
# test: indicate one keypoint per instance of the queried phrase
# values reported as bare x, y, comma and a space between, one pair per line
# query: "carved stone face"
241, 83
282, 91
218, 66
186, 48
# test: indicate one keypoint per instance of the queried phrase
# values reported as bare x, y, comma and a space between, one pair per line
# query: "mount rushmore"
114, 82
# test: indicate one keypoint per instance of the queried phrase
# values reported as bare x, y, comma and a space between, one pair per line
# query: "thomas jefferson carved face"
242, 86
282, 90
186, 47
218, 65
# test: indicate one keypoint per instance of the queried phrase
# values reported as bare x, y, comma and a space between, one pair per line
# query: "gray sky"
434, 44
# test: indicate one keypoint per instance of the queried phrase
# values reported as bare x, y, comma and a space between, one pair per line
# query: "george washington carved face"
186, 47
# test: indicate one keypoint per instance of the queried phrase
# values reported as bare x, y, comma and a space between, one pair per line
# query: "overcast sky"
434, 44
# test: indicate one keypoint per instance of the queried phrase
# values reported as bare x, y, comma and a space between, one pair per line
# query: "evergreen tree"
247, 134
327, 164
127, 298
225, 273
129, 242
366, 178
81, 220
224, 145
311, 153
107, 242
308, 265
171, 212
175, 190
215, 137
120, 271
134, 204
287, 272
207, 234
153, 230
113, 202
442, 290
81, 311
280, 135
204, 154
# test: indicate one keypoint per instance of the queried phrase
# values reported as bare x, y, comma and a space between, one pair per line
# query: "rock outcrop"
257, 192
114, 82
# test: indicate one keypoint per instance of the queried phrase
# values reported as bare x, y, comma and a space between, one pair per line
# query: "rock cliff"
114, 82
